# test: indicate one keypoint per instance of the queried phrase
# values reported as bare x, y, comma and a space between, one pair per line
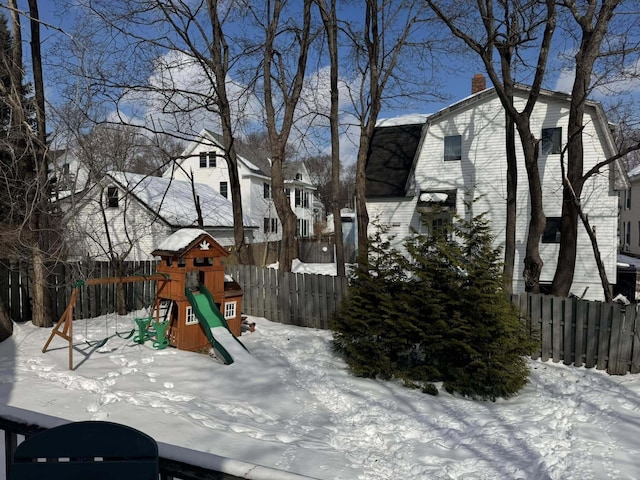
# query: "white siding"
481, 175
134, 235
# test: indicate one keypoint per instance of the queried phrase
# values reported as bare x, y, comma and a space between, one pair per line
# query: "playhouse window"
203, 262
190, 316
230, 310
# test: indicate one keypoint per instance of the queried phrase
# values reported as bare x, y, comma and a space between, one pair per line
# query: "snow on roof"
634, 172
410, 119
180, 239
173, 200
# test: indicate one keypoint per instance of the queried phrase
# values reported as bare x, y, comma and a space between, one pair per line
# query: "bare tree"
28, 230
329, 17
592, 22
507, 27
283, 51
170, 37
378, 44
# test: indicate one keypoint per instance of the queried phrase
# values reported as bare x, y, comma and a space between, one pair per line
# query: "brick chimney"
478, 83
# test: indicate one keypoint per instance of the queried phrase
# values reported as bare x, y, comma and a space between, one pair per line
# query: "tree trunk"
39, 293
511, 213
286, 215
532, 261
6, 325
362, 215
330, 21
593, 33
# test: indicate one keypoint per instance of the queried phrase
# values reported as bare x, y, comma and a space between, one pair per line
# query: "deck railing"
176, 463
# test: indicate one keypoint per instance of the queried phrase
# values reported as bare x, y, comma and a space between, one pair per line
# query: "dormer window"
298, 176
207, 159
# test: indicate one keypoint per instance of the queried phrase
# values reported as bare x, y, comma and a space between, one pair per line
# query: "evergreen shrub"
437, 314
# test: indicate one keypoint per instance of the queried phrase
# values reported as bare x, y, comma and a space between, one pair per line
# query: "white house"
204, 160
630, 215
67, 172
458, 154
131, 214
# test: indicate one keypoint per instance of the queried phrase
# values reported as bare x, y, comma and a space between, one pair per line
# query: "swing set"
64, 327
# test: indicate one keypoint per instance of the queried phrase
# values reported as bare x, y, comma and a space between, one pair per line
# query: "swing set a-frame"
64, 327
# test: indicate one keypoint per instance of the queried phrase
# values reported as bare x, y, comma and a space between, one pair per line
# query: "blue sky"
454, 83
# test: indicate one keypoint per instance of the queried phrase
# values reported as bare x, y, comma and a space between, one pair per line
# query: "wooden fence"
15, 288
306, 300
573, 331
582, 332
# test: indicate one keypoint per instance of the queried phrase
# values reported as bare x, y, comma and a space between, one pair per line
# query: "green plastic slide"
211, 319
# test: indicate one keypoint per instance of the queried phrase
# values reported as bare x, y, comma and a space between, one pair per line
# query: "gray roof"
391, 154
172, 200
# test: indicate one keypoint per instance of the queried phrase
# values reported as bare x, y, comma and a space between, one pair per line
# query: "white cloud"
180, 97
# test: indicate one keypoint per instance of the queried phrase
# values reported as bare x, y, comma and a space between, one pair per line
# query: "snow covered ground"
293, 406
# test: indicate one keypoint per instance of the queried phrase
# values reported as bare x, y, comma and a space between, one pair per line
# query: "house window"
207, 159
287, 193
190, 316
551, 230
305, 200
270, 225
266, 190
639, 234
551, 140
627, 236
224, 189
230, 310
302, 228
438, 224
628, 199
112, 197
453, 147
298, 176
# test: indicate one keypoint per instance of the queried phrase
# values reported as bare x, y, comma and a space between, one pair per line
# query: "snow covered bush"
437, 315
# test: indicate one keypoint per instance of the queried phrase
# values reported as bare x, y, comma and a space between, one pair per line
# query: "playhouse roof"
183, 240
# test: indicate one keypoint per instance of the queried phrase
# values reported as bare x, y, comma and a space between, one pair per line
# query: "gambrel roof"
395, 145
391, 154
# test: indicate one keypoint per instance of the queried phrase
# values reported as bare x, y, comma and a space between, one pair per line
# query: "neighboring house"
418, 166
66, 172
204, 159
131, 214
630, 215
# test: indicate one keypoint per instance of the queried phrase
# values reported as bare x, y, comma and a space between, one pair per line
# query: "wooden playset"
190, 258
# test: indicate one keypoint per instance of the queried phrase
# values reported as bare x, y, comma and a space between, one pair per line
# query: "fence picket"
557, 324
604, 336
568, 345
